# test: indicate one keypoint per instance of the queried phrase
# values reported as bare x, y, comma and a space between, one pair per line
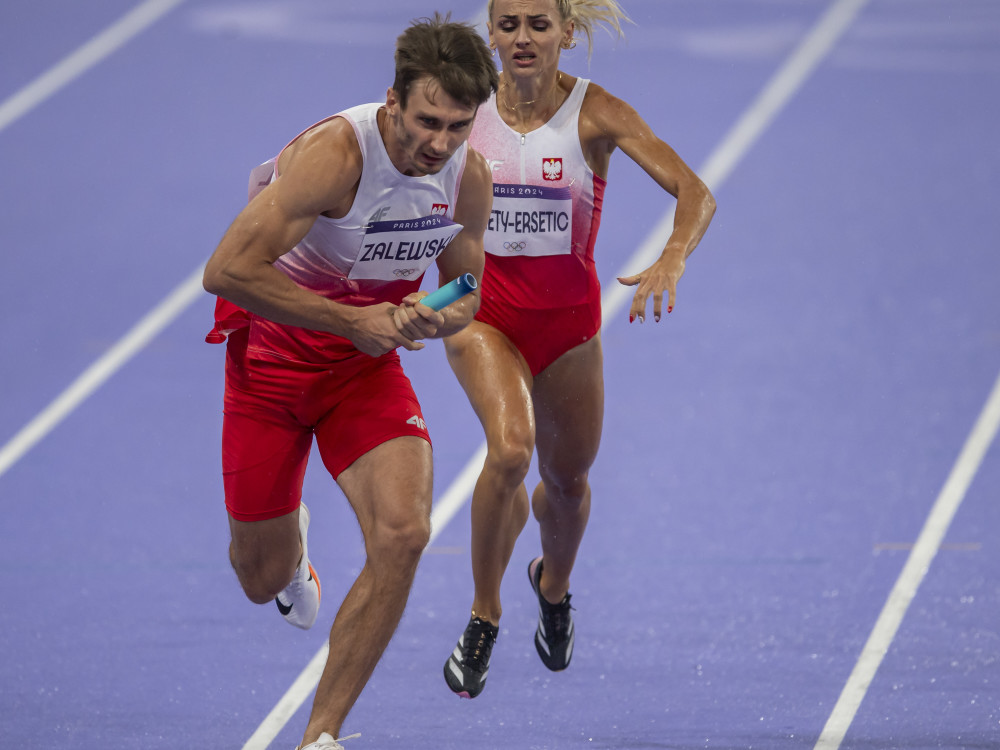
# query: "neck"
516, 102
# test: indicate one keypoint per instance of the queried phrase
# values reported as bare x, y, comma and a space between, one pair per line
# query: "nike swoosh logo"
286, 608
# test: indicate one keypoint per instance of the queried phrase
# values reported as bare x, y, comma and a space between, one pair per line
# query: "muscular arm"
610, 123
464, 254
319, 174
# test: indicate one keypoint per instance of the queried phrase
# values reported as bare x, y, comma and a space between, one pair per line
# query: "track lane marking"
83, 59
814, 47
918, 562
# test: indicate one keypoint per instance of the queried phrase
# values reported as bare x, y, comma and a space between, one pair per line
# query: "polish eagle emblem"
552, 169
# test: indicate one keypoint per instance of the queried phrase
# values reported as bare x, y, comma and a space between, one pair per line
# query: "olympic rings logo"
515, 246
402, 273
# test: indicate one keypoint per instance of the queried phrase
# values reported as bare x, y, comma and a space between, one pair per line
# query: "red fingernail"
631, 318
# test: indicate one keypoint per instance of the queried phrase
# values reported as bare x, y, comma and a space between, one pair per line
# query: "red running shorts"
542, 336
273, 410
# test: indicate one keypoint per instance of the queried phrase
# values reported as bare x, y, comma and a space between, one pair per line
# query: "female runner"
531, 361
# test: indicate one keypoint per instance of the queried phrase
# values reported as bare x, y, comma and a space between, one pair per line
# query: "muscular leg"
569, 411
390, 490
265, 554
497, 381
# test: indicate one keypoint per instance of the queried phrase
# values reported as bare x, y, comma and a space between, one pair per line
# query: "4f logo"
418, 421
439, 209
552, 169
494, 164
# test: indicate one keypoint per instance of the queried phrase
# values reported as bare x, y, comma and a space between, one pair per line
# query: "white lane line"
741, 137
290, 702
811, 51
917, 565
99, 47
92, 52
101, 370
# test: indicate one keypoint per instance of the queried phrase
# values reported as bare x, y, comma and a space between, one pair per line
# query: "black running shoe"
555, 635
467, 667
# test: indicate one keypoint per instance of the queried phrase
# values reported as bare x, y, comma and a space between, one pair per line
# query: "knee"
510, 458
261, 578
569, 490
400, 541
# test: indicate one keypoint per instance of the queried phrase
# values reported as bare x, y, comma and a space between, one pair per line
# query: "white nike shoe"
326, 742
299, 601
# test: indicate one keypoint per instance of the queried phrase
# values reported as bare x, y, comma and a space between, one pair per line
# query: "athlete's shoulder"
600, 103
332, 140
476, 166
605, 115
477, 180
322, 166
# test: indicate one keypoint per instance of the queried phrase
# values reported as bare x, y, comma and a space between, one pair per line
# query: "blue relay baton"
450, 292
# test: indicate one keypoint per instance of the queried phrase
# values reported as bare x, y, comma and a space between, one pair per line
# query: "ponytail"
587, 15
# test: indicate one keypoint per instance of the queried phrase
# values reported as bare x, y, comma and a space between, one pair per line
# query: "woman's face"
528, 35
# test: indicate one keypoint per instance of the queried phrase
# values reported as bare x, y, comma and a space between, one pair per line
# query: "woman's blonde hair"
587, 15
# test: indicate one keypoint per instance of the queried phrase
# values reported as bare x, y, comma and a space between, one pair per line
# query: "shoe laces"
301, 580
478, 644
336, 743
558, 617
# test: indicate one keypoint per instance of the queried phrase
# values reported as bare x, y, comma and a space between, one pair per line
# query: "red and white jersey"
546, 209
396, 228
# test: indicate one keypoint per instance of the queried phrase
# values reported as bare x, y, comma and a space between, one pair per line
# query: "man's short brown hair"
453, 54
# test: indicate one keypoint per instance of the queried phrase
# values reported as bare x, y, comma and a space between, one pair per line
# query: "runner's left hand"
662, 276
417, 322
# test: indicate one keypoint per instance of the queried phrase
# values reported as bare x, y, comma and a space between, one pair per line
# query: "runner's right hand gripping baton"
451, 292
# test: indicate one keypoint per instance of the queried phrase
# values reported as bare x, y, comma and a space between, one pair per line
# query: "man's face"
422, 137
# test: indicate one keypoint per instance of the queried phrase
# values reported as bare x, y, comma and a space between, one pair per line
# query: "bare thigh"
569, 413
389, 488
497, 381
